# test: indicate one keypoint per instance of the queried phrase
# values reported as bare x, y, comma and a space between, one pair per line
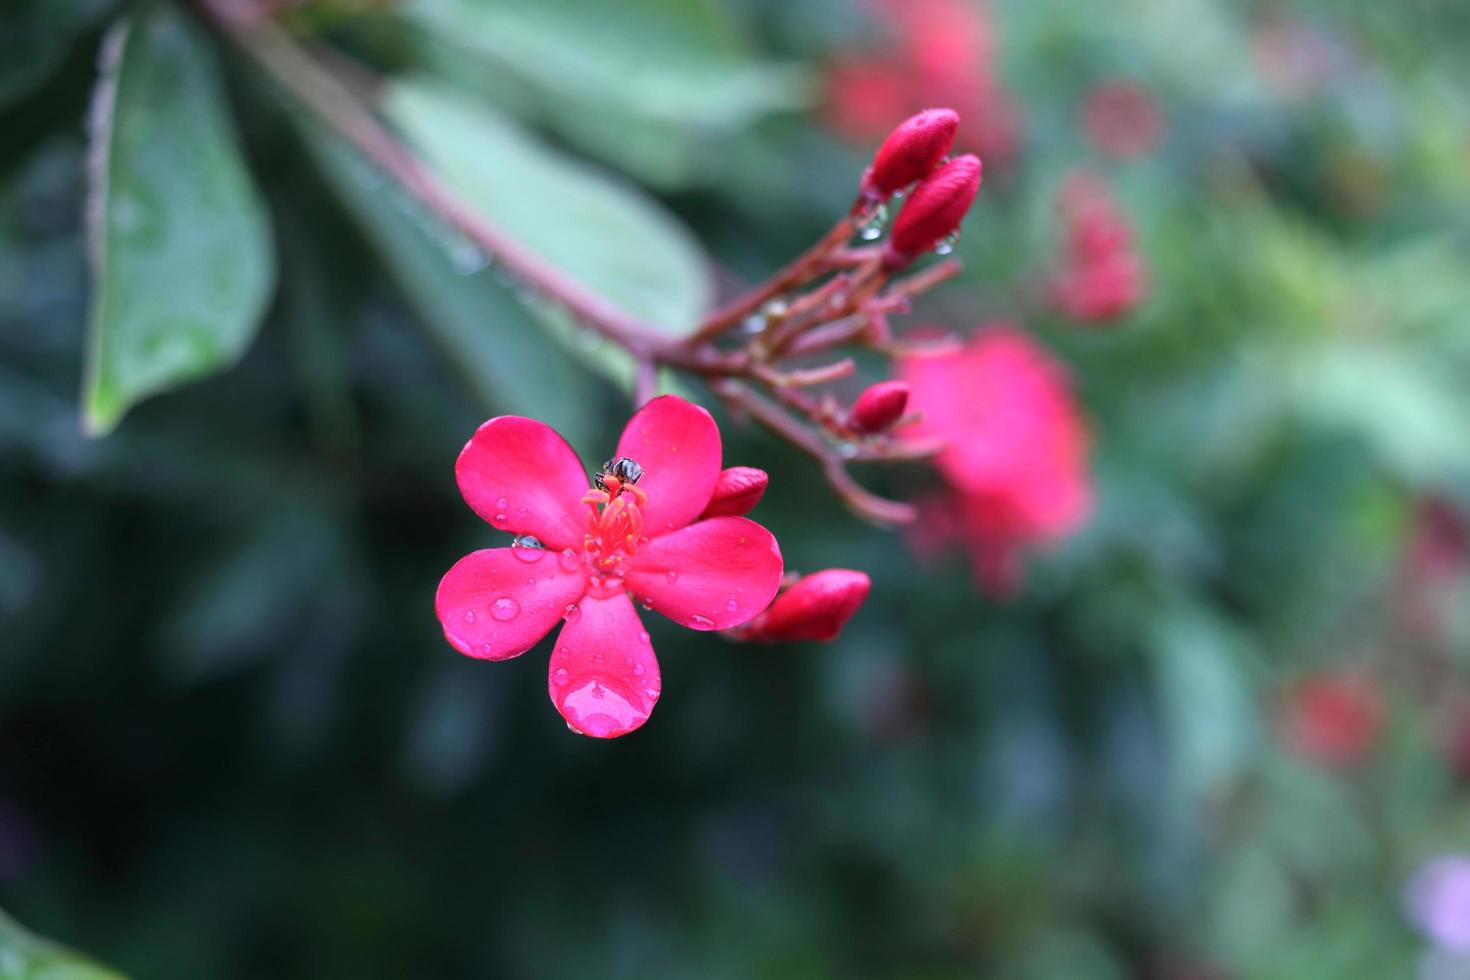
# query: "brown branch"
335, 104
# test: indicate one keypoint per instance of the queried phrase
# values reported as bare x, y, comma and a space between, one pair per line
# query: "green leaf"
676, 61
34, 38
476, 321
24, 956
1204, 699
181, 249
600, 232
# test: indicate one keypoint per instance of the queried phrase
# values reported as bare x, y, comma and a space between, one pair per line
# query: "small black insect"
625, 469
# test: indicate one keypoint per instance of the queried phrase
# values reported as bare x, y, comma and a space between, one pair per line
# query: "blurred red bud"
910, 153
738, 489
1333, 718
880, 406
815, 608
934, 211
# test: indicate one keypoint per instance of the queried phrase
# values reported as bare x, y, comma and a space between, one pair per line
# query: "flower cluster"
1100, 276
1015, 455
941, 51
661, 525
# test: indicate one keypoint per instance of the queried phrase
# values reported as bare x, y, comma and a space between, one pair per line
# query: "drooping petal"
709, 576
522, 477
603, 677
496, 603
678, 445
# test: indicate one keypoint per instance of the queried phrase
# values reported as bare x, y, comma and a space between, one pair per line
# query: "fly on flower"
636, 534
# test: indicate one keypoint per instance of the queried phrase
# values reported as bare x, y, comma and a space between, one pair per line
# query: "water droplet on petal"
505, 608
574, 731
652, 693
643, 636
947, 244
698, 622
638, 669
502, 504
498, 520
572, 613
646, 604
672, 576
560, 677
732, 605
469, 616
597, 658
568, 560
486, 649
520, 512
527, 552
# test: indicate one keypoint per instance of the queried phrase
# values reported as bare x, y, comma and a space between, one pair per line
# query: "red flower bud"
738, 489
880, 406
934, 211
910, 153
815, 608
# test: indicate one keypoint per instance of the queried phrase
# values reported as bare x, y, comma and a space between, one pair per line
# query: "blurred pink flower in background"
1100, 276
1437, 902
1016, 456
1332, 718
941, 53
1122, 118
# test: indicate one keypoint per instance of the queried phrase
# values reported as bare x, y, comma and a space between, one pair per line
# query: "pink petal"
603, 675
522, 477
678, 445
496, 603
709, 576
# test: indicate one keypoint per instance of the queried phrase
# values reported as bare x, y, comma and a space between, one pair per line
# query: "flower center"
614, 518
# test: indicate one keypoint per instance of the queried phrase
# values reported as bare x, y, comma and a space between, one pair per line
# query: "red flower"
1122, 119
1101, 275
1016, 454
595, 551
815, 608
1333, 718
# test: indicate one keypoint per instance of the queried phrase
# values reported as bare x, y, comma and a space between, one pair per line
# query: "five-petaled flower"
584, 555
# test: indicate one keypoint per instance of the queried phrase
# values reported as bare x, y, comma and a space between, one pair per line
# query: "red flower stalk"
738, 489
1101, 276
934, 211
1016, 449
583, 556
1333, 718
879, 407
910, 153
1122, 119
815, 608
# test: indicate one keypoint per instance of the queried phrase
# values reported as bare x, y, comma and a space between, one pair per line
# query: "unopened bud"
738, 489
910, 153
934, 211
815, 608
879, 406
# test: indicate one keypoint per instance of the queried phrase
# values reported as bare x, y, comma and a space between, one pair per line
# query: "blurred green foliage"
233, 743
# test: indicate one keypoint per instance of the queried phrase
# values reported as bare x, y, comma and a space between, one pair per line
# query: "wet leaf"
476, 320
602, 233
181, 250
